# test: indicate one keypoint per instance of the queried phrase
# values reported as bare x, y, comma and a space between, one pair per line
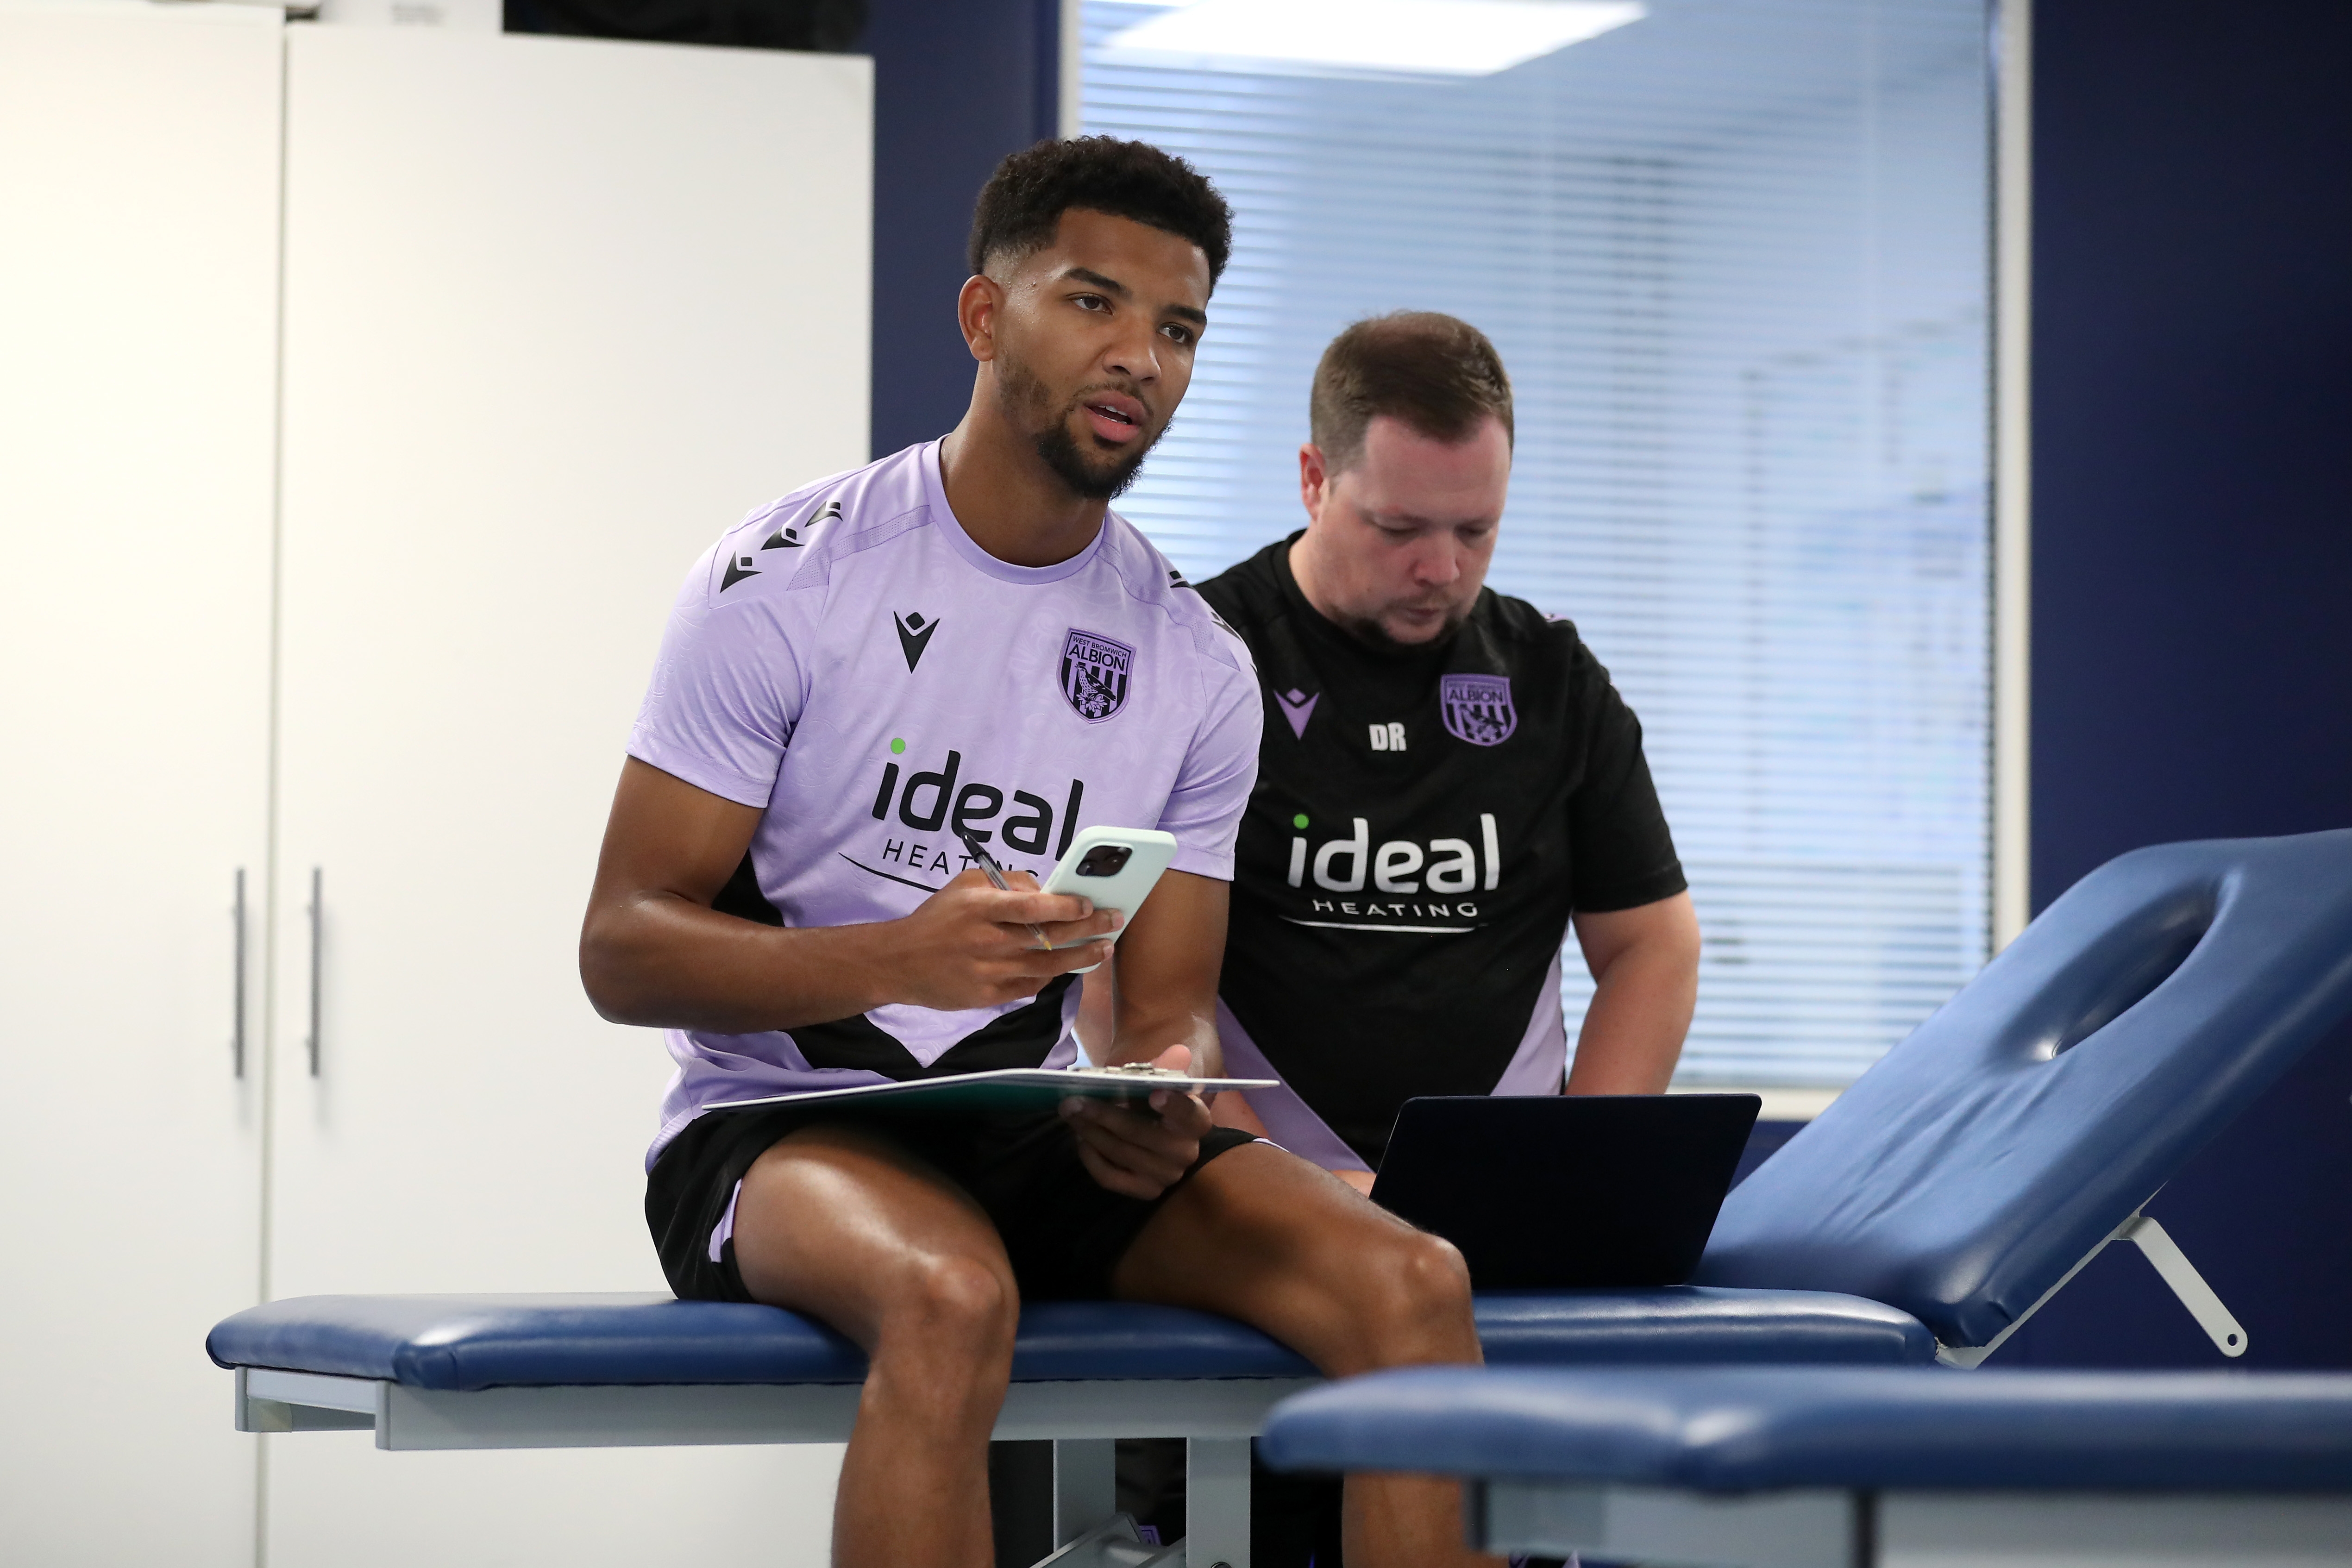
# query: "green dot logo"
1298, 821
897, 745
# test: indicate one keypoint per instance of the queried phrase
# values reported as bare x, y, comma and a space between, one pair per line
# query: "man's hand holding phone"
973, 945
1141, 1154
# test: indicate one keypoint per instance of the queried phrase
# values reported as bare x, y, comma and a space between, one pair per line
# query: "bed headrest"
1984, 1156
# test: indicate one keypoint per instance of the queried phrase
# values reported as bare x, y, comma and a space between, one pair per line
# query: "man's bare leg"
852, 1230
1262, 1235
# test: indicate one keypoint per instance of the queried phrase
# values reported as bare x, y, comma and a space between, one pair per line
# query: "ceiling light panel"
1381, 37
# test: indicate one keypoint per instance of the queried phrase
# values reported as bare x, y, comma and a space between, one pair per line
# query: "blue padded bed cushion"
1987, 1154
464, 1343
1755, 1428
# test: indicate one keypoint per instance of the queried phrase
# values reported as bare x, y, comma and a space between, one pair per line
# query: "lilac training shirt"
849, 661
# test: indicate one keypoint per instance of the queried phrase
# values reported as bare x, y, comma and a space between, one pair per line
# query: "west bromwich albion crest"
1096, 672
1477, 708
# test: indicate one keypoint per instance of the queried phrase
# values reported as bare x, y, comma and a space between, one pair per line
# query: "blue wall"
2192, 566
957, 84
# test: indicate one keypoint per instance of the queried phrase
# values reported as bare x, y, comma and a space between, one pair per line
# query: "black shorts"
1064, 1233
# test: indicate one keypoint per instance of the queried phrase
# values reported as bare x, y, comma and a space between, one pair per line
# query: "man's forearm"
1645, 964
1143, 1037
1164, 974
1634, 1030
664, 960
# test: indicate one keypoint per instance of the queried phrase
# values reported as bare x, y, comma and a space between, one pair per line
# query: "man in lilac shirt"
962, 639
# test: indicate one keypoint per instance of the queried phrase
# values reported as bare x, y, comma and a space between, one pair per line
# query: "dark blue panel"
958, 84
464, 1343
1980, 1160
2192, 563
2192, 396
1743, 1428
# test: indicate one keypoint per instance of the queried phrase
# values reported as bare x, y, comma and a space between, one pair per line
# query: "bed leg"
1217, 1502
1086, 1486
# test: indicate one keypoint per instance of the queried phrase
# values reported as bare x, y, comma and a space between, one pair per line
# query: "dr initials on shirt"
1388, 737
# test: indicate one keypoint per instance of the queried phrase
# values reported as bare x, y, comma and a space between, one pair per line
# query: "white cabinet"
555, 316
138, 298
552, 313
556, 313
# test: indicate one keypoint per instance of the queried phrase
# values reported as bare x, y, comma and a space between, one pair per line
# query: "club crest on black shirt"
1477, 708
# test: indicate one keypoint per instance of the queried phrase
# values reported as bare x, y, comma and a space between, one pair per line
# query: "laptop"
1553, 1192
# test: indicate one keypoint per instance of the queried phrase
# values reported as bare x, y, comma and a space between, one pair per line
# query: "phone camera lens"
1105, 860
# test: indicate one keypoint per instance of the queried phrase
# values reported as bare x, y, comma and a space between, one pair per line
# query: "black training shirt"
1424, 821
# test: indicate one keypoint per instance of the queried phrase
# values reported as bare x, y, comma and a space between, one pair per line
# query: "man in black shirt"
1447, 782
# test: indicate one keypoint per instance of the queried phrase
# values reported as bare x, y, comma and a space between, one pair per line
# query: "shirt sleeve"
1204, 809
1620, 854
726, 693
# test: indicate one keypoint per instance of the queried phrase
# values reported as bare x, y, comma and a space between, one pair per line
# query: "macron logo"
1298, 707
789, 536
914, 636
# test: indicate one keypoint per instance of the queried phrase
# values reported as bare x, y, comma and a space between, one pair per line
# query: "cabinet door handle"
237, 1035
318, 945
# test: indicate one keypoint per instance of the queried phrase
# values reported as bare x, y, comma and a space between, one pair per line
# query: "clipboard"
1003, 1089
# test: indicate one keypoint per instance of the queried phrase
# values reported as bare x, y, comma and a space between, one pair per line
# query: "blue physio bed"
1836, 1467
1928, 1212
1971, 1171
508, 1372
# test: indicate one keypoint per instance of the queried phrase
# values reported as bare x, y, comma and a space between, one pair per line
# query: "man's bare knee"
1438, 1276
1419, 1308
964, 1307
1429, 1277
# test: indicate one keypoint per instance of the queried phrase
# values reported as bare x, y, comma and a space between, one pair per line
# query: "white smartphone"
1115, 867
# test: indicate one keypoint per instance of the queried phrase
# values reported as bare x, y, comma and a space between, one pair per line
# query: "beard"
1375, 636
1059, 451
1090, 477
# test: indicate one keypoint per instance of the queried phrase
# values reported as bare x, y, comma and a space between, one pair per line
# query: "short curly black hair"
1024, 200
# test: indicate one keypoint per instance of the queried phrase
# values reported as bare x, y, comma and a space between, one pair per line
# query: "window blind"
1734, 255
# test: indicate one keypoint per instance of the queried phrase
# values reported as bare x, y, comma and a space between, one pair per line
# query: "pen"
996, 876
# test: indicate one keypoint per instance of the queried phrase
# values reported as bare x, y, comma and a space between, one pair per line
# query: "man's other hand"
971, 945
1141, 1154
